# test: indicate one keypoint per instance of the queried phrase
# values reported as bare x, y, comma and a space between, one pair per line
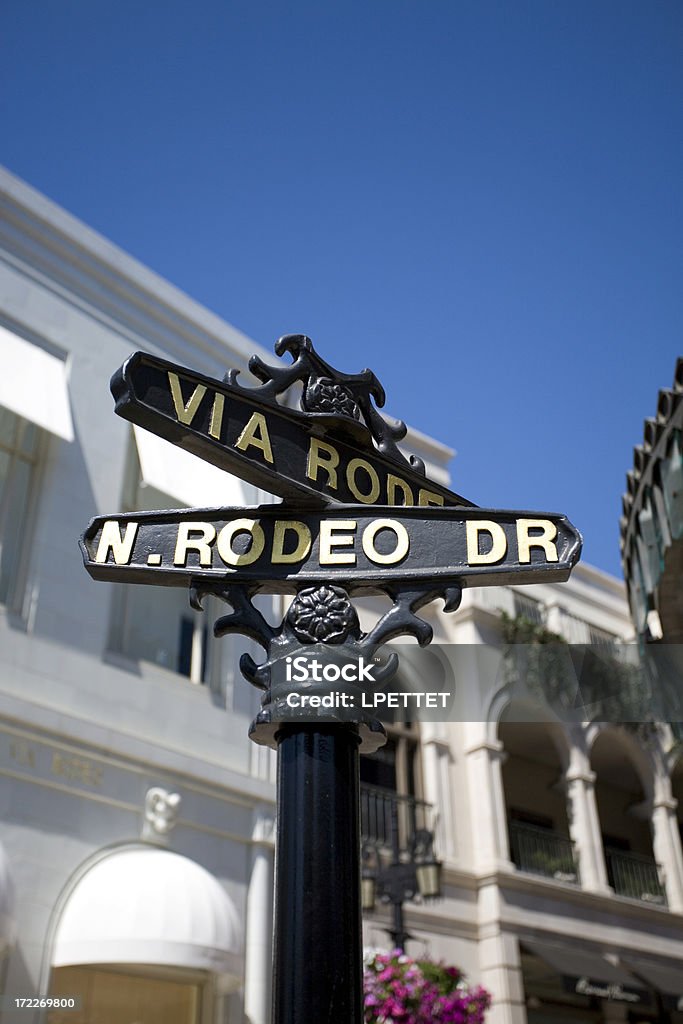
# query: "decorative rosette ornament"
325, 395
322, 615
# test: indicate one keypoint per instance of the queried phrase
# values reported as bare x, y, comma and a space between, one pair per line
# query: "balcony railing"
528, 608
631, 874
540, 851
383, 812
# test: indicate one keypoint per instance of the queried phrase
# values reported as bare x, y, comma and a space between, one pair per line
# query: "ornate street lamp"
402, 879
427, 867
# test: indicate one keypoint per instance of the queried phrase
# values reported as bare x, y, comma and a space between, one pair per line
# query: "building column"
666, 843
487, 800
499, 962
259, 922
438, 791
553, 617
584, 828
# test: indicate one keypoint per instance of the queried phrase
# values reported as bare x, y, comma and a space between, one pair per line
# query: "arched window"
535, 797
623, 796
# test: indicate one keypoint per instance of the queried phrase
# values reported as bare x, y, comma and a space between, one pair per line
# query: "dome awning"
143, 905
7, 919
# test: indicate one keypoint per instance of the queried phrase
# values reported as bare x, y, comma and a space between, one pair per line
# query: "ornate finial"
344, 400
161, 814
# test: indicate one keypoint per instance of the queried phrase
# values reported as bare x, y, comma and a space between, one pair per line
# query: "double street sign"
357, 511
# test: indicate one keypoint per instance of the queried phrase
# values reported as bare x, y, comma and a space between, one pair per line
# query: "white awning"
145, 905
33, 385
7, 920
185, 477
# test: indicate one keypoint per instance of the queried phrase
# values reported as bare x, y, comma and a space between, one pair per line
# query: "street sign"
360, 548
311, 457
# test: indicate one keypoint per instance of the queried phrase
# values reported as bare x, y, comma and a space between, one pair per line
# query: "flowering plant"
399, 990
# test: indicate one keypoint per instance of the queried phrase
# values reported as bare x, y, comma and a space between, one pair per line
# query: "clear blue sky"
482, 201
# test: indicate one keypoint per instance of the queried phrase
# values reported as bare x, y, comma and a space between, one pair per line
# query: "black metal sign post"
318, 946
351, 527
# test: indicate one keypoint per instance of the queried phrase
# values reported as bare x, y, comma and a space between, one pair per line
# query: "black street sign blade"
305, 457
278, 548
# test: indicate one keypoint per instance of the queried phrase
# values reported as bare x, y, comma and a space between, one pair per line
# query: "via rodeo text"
354, 545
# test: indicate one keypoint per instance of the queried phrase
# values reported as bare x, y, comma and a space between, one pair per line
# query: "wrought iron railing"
631, 874
540, 851
382, 811
529, 608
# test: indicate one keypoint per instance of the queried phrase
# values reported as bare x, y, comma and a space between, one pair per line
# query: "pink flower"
399, 990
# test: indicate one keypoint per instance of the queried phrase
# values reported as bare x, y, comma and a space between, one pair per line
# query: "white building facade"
137, 819
561, 837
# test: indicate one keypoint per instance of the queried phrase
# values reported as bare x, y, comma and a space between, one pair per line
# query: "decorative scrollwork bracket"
322, 626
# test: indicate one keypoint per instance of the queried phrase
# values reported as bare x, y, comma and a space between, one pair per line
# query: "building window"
396, 765
391, 787
157, 624
19, 455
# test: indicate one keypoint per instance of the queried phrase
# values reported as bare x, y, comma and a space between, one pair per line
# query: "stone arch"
634, 752
536, 758
624, 791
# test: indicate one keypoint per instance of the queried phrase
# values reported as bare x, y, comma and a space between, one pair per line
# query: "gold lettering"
330, 538
217, 415
426, 497
373, 494
499, 542
395, 483
322, 456
186, 543
228, 533
76, 769
185, 413
120, 546
255, 435
21, 752
303, 543
544, 540
402, 541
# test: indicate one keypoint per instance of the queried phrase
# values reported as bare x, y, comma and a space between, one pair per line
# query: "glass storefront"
126, 996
